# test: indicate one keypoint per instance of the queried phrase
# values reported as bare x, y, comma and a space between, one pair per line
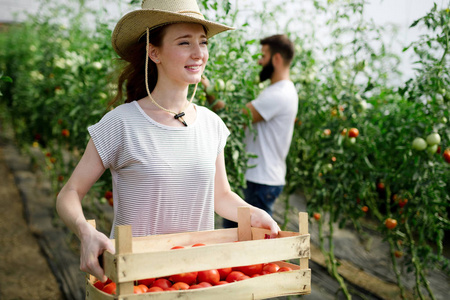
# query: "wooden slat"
260, 233
244, 224
164, 263
303, 229
164, 242
124, 246
262, 287
92, 223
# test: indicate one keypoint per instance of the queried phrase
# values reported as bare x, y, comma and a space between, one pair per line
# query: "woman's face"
183, 54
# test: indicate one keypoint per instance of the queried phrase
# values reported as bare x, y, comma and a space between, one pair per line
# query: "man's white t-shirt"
278, 105
163, 177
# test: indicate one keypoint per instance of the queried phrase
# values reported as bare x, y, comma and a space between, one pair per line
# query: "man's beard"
266, 72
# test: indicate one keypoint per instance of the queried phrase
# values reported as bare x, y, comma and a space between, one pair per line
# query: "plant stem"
427, 285
332, 268
414, 260
395, 267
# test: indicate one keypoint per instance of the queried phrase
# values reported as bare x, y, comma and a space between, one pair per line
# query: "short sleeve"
224, 132
268, 103
107, 136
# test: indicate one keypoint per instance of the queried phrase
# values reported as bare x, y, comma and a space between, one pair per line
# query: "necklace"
178, 116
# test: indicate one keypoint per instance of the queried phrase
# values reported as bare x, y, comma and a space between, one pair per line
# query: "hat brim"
134, 24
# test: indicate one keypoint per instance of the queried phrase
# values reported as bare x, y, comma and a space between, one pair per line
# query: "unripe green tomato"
220, 85
432, 149
327, 167
230, 86
352, 140
419, 144
433, 139
210, 89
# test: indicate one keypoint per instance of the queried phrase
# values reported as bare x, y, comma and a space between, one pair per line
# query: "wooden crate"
151, 257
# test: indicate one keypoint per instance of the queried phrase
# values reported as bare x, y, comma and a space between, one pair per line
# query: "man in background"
273, 115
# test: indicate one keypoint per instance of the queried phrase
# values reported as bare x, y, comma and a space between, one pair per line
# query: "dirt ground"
24, 271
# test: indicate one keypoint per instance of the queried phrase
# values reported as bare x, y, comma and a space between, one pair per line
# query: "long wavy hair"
132, 76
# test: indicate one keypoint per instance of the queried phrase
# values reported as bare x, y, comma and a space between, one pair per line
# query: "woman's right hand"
93, 244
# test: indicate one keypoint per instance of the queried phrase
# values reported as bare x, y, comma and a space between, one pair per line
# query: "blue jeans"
259, 195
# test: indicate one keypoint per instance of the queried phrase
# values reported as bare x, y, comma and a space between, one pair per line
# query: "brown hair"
280, 43
133, 74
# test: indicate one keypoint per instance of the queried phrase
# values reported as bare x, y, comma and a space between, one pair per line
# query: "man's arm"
256, 117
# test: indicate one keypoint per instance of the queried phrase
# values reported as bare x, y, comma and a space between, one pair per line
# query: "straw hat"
155, 13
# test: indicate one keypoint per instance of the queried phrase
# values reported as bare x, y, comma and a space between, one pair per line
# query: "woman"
165, 153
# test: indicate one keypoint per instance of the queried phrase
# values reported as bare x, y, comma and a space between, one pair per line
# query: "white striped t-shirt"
163, 176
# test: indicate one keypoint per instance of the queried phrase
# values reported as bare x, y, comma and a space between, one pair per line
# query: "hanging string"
178, 116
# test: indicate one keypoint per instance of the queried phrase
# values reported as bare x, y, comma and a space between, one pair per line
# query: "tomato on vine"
353, 132
447, 155
390, 223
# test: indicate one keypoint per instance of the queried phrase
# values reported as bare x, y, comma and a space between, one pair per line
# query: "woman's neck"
170, 97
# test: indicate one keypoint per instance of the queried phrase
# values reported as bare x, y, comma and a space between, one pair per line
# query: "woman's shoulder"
122, 110
207, 114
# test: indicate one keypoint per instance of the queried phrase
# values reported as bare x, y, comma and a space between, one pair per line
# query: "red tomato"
316, 216
195, 286
271, 267
176, 247
98, 284
398, 253
224, 273
188, 278
243, 278
255, 275
110, 288
390, 223
222, 282
180, 286
402, 202
365, 209
447, 155
170, 289
148, 282
265, 272
205, 284
143, 287
234, 275
284, 269
162, 283
211, 276
250, 270
137, 290
108, 194
198, 245
155, 289
353, 132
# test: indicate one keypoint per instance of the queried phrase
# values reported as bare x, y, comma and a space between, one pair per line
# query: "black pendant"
181, 114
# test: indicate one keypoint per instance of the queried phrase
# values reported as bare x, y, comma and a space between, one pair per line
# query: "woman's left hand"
261, 219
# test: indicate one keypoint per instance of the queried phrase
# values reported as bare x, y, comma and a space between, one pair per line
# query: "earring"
157, 60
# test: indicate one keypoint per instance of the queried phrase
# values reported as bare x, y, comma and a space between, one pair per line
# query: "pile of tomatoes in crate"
196, 280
